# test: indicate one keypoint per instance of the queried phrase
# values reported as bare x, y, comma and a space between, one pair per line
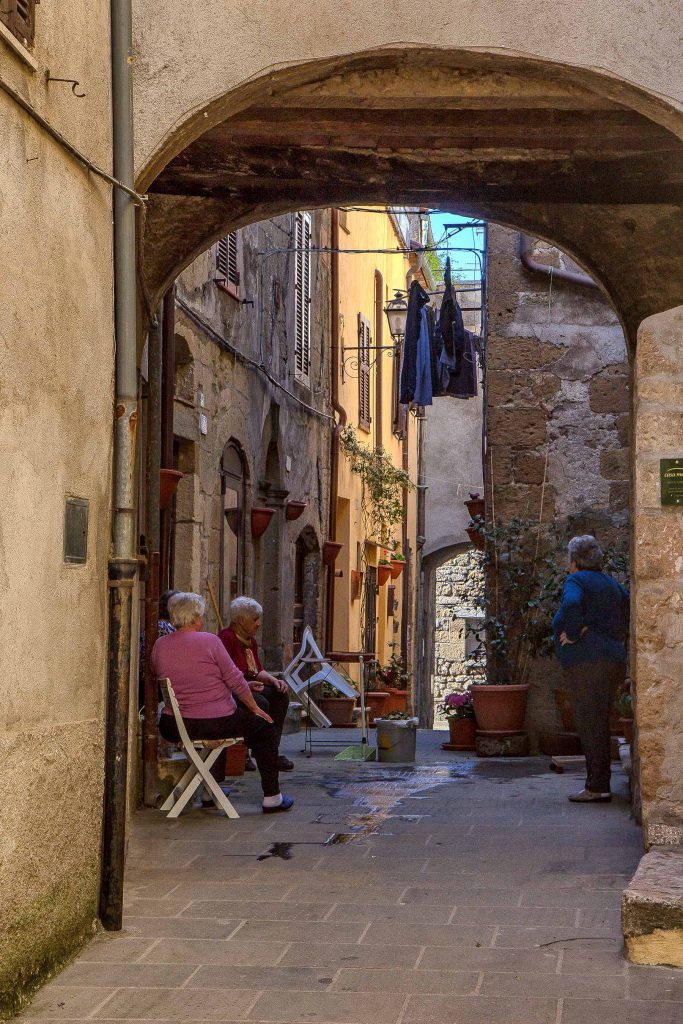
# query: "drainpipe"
526, 246
150, 742
167, 397
340, 411
122, 563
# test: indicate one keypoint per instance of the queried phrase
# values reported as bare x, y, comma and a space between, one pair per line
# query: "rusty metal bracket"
69, 81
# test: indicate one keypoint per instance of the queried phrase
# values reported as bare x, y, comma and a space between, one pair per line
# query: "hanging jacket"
417, 299
464, 383
423, 377
451, 323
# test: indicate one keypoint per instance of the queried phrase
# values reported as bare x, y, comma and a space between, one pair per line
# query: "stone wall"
459, 582
280, 425
557, 407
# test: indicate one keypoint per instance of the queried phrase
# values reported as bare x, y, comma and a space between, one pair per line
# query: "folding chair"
301, 679
202, 755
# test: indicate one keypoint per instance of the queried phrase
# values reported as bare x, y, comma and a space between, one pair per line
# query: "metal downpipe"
123, 562
339, 426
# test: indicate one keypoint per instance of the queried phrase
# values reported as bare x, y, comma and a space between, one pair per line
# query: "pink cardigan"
204, 677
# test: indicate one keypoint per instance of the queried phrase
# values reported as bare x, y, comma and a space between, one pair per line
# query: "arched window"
231, 570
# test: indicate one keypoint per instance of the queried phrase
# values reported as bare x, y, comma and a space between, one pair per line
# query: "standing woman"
590, 629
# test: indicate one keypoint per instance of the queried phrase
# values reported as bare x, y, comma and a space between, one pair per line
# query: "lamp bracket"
351, 363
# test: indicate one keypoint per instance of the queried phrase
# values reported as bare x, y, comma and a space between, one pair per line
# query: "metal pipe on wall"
339, 426
123, 562
150, 742
167, 397
526, 247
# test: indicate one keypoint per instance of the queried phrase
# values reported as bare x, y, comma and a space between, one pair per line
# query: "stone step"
652, 909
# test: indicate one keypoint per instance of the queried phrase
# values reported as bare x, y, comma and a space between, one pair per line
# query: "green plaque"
671, 473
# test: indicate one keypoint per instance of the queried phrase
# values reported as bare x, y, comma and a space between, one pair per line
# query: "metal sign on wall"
671, 474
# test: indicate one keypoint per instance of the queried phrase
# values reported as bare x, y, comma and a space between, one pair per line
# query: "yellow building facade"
370, 614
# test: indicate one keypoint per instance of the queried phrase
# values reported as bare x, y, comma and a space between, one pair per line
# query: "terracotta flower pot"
475, 506
627, 729
339, 710
294, 509
477, 538
232, 518
260, 520
397, 567
236, 758
375, 701
500, 708
463, 733
383, 574
396, 701
331, 549
168, 482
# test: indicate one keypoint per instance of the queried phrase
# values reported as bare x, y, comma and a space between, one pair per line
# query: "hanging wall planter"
383, 574
397, 567
294, 509
331, 549
476, 536
168, 481
260, 520
476, 505
232, 518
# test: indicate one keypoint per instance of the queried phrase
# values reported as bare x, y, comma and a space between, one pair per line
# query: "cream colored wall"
187, 57
357, 295
56, 364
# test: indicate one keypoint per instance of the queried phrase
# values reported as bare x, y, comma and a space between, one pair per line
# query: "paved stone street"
460, 891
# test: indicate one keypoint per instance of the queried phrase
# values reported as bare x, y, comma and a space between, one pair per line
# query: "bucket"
396, 740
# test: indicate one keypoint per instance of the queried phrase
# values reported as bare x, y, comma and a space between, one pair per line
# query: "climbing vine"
382, 484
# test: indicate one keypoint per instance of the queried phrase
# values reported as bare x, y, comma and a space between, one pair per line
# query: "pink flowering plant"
458, 705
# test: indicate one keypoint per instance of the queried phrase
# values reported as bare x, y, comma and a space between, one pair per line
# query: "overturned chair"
202, 755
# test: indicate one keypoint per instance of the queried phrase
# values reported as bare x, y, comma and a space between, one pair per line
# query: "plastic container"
396, 740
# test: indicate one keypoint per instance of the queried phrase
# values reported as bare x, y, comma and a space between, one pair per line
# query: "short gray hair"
244, 608
183, 608
585, 552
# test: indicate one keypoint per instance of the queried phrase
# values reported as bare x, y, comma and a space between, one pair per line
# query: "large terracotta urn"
500, 708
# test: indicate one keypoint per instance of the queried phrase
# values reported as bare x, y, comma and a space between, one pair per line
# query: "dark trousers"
593, 686
258, 735
275, 703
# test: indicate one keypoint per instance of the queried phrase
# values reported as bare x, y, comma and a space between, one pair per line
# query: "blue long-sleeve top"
595, 600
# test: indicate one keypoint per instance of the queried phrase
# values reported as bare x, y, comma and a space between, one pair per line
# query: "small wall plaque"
76, 531
671, 474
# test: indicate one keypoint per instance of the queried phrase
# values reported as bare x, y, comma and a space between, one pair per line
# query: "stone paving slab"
472, 893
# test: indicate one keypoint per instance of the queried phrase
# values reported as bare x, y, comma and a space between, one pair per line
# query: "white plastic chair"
299, 677
202, 755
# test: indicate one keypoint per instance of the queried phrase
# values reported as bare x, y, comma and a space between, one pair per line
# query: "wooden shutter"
363, 372
227, 260
20, 18
398, 411
302, 299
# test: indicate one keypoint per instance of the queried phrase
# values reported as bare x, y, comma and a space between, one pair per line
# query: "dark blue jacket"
595, 600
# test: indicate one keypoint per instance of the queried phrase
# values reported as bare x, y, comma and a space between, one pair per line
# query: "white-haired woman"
214, 697
239, 640
590, 629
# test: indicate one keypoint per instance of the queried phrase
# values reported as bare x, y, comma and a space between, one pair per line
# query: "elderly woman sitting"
209, 686
270, 693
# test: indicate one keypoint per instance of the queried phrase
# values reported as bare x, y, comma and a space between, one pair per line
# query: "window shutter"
363, 372
227, 259
20, 18
302, 301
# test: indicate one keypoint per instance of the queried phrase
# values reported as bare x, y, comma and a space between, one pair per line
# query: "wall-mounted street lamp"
357, 357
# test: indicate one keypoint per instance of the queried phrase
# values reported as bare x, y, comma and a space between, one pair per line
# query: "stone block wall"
459, 582
558, 392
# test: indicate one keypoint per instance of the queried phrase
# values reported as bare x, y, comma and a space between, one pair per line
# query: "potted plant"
525, 566
375, 698
333, 705
383, 571
398, 564
395, 680
475, 531
476, 505
458, 709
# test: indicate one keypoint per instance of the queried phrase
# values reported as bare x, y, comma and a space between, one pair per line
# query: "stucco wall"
241, 404
55, 442
558, 389
178, 73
